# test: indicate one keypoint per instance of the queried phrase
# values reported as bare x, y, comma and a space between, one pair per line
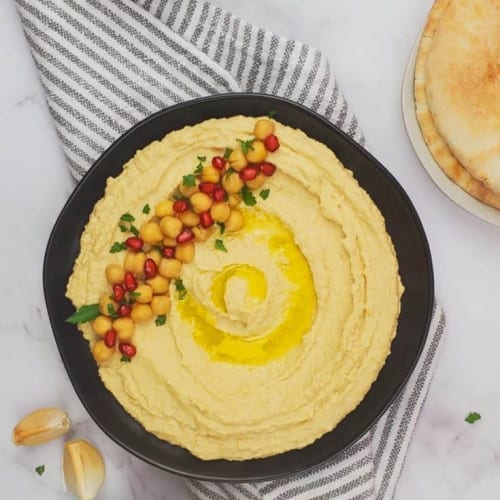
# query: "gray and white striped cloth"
105, 65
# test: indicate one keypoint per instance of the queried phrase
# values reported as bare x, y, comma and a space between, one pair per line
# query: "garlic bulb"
83, 469
41, 426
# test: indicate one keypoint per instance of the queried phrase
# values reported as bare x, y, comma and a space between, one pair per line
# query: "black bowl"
403, 225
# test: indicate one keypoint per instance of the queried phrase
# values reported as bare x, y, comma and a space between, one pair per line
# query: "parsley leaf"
134, 230
248, 196
230, 171
84, 314
201, 158
264, 194
177, 196
123, 228
472, 417
160, 320
189, 180
222, 227
272, 113
40, 469
126, 217
117, 246
134, 295
112, 311
125, 359
246, 145
146, 209
219, 245
181, 289
227, 153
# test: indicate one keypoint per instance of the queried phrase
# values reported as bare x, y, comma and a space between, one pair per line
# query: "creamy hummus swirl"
280, 337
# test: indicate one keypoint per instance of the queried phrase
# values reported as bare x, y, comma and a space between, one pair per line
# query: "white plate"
449, 188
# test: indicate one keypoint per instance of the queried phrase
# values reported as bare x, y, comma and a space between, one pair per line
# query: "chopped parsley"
125, 359
84, 314
117, 246
123, 228
40, 469
227, 153
272, 113
222, 227
264, 194
126, 217
146, 209
134, 295
246, 145
202, 158
160, 320
472, 417
198, 169
134, 230
248, 197
189, 180
181, 289
230, 171
219, 245
177, 196
112, 311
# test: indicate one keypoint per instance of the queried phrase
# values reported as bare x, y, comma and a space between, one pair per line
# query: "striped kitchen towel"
105, 65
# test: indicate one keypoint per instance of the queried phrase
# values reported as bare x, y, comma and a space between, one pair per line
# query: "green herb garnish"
134, 230
177, 196
125, 359
126, 217
146, 209
222, 227
230, 171
248, 197
272, 113
189, 180
123, 228
201, 158
264, 194
472, 417
117, 246
181, 289
134, 295
40, 469
84, 314
219, 245
227, 153
246, 145
160, 320
112, 311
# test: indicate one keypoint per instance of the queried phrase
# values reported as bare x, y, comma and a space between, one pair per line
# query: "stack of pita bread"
457, 93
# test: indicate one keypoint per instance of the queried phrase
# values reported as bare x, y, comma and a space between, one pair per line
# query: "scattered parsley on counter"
246, 145
117, 246
125, 359
227, 153
123, 228
84, 314
264, 194
202, 158
219, 245
472, 417
248, 197
134, 230
146, 209
126, 217
160, 320
222, 227
181, 289
40, 469
189, 180
272, 113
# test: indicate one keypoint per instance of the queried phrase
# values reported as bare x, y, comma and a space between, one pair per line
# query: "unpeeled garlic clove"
41, 426
83, 468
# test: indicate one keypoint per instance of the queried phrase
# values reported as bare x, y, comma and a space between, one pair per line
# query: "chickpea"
235, 221
201, 202
189, 218
210, 174
187, 191
171, 226
124, 328
237, 160
150, 232
170, 268
263, 128
102, 352
201, 233
170, 242
155, 255
258, 182
160, 304
114, 274
101, 325
257, 153
234, 200
145, 294
164, 208
134, 262
159, 284
220, 211
141, 312
232, 183
185, 252
104, 304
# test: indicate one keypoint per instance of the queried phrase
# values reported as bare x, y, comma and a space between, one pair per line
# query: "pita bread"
457, 93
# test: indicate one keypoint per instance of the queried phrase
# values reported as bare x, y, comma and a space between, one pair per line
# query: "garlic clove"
83, 468
41, 426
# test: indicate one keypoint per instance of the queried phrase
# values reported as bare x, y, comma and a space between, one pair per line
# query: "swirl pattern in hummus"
280, 337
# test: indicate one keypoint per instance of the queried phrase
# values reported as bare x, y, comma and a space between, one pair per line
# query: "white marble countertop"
368, 43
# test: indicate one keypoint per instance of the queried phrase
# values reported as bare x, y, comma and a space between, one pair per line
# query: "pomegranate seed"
168, 252
130, 282
218, 162
207, 187
124, 310
127, 349
185, 236
134, 243
267, 168
110, 337
219, 194
206, 219
271, 143
150, 268
248, 173
181, 205
118, 292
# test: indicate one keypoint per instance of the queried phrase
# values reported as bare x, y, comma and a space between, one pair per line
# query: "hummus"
279, 337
